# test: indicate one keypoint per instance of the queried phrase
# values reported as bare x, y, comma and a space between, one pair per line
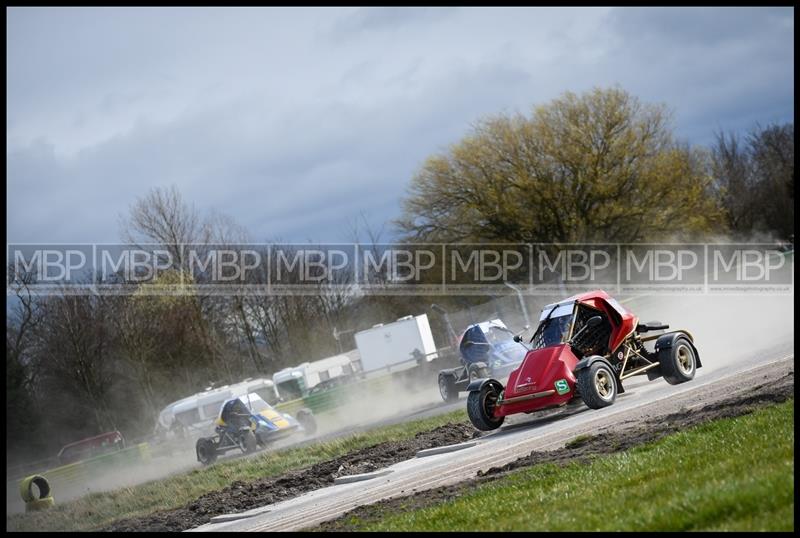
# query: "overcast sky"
294, 121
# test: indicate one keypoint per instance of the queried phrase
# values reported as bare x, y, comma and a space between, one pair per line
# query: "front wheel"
481, 405
678, 363
447, 388
206, 451
597, 386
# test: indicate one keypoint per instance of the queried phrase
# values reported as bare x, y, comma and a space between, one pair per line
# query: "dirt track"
241, 496
579, 451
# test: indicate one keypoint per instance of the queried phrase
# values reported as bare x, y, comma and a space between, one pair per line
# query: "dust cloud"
366, 406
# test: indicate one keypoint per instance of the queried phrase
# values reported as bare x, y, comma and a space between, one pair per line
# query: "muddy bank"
580, 450
241, 496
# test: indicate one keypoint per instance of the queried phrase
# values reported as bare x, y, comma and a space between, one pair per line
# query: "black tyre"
206, 451
447, 387
597, 385
679, 362
307, 421
248, 442
481, 405
477, 372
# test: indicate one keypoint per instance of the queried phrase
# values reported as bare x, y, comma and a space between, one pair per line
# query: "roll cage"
617, 340
560, 322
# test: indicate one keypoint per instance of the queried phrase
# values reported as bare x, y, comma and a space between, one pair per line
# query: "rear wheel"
248, 442
678, 363
447, 387
481, 405
597, 385
206, 451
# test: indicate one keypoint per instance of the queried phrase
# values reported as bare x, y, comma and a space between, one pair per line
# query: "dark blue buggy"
486, 349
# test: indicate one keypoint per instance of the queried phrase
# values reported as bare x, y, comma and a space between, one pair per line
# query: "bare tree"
772, 150
754, 179
77, 346
24, 316
164, 218
732, 170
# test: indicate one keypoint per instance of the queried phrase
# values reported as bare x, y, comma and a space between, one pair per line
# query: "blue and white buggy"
487, 349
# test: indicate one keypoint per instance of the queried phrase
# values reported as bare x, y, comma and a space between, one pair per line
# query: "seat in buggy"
235, 414
594, 340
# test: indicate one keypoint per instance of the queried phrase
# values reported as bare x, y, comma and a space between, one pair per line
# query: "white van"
196, 413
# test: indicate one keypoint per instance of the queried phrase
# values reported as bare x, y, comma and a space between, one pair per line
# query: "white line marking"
360, 477
444, 449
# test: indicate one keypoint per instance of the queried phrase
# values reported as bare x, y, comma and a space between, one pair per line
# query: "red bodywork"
542, 368
92, 446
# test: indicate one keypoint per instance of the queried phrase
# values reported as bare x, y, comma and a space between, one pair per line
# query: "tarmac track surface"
725, 372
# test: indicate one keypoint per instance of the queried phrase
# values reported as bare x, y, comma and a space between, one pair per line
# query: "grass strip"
729, 474
98, 510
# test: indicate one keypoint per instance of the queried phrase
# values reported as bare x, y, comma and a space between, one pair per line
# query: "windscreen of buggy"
554, 326
498, 335
255, 403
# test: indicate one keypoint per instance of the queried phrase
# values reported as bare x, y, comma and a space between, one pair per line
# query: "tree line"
600, 166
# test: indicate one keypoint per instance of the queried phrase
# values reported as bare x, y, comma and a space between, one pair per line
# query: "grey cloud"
371, 19
249, 115
695, 25
716, 68
319, 163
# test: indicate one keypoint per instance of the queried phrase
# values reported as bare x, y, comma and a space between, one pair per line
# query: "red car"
584, 347
91, 447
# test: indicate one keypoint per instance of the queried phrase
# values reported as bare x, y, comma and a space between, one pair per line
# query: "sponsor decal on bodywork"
561, 386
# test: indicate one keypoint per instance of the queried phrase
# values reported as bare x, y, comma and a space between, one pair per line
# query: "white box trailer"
396, 345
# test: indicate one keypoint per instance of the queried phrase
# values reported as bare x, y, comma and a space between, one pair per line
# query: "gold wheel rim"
685, 361
602, 383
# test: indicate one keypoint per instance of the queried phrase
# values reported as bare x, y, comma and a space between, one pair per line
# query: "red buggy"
584, 347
